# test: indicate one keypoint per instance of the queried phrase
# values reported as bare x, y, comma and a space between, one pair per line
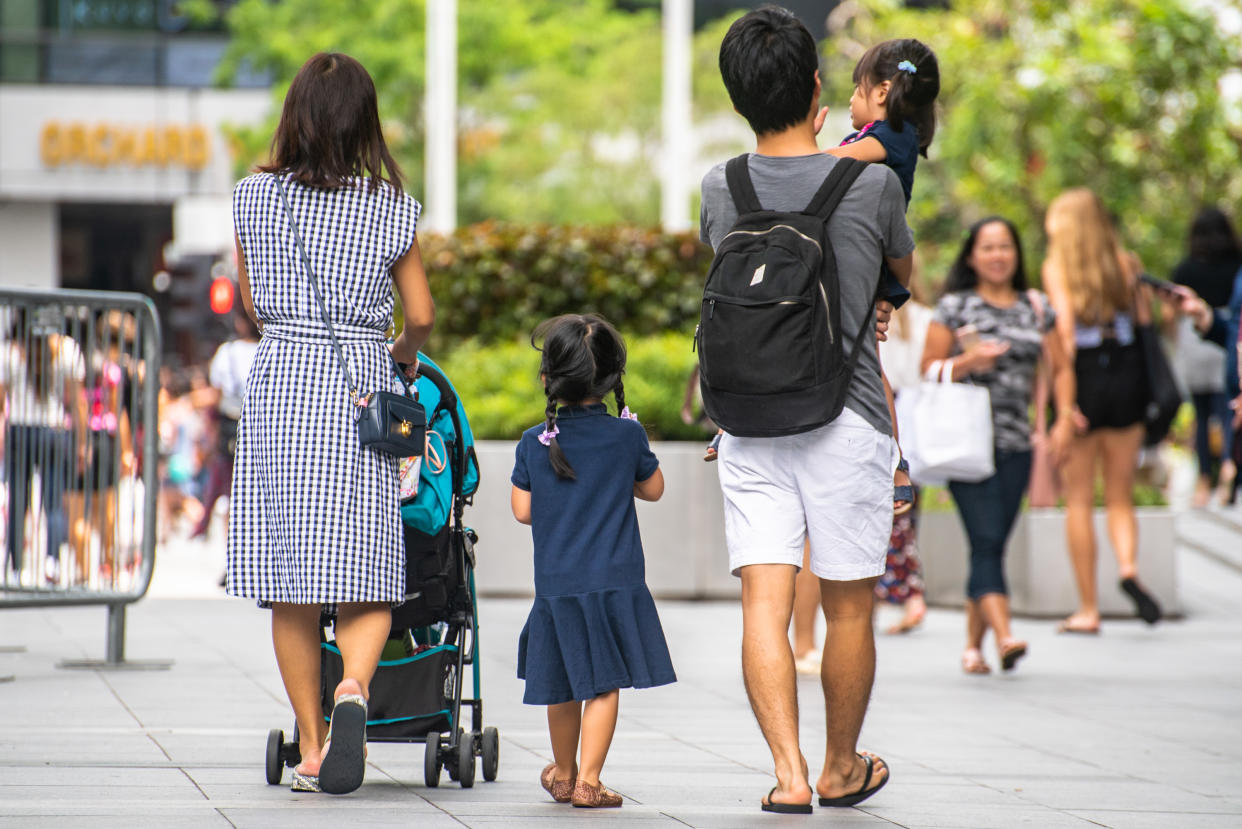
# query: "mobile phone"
1162, 286
967, 337
713, 449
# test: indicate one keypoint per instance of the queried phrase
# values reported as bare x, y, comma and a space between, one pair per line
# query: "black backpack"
771, 357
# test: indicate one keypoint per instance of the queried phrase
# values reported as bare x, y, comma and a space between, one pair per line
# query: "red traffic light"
222, 292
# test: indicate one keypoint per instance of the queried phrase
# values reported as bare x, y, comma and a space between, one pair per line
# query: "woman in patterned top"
315, 519
990, 330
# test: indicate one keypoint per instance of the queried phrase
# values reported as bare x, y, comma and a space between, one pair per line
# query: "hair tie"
907, 66
546, 437
628, 415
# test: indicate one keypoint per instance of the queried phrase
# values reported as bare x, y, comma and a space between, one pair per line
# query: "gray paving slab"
1138, 727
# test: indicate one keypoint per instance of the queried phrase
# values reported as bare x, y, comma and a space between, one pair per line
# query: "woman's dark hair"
329, 128
583, 358
768, 62
1212, 238
962, 276
912, 95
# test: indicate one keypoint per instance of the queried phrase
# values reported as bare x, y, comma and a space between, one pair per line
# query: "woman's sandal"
561, 790
903, 494
973, 662
586, 796
1011, 652
863, 792
344, 758
304, 782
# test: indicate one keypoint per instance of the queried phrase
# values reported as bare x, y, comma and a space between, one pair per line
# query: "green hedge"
499, 385
495, 282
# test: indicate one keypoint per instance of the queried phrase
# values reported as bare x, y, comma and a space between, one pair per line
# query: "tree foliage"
1040, 95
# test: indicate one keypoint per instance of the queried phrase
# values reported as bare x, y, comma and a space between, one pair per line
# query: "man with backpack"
789, 370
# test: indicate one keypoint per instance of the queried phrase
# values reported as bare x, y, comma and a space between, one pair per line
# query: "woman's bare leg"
295, 635
1078, 477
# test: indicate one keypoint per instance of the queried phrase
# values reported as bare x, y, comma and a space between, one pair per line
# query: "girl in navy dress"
593, 628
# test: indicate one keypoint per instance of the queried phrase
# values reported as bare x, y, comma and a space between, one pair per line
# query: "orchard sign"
113, 145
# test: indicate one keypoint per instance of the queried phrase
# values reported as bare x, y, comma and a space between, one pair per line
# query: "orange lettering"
50, 144
196, 148
100, 148
75, 144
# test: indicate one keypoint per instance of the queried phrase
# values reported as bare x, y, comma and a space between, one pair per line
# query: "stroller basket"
409, 696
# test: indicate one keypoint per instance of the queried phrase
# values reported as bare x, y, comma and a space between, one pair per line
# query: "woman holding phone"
988, 328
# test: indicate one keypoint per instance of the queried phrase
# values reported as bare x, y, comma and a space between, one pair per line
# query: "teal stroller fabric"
428, 510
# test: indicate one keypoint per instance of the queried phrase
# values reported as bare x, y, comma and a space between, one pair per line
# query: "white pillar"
440, 157
676, 123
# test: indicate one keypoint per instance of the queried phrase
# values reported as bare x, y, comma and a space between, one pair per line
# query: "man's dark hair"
962, 276
329, 128
768, 61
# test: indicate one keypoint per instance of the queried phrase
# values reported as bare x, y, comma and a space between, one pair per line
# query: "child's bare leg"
806, 607
564, 726
599, 721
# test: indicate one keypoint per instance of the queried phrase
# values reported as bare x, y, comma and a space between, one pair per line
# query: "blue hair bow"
907, 66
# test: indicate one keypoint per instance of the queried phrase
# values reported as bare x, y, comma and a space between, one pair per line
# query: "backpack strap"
834, 188
737, 176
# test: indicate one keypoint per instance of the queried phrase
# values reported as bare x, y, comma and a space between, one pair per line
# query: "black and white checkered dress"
314, 517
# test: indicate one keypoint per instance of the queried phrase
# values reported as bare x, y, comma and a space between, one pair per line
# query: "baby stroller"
417, 694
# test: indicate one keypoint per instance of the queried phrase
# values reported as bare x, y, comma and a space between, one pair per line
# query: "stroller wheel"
465, 762
275, 765
491, 753
431, 760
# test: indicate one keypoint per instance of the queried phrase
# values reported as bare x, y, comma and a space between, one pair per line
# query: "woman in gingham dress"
315, 517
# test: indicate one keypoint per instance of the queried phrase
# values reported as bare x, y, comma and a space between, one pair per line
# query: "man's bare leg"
849, 670
768, 670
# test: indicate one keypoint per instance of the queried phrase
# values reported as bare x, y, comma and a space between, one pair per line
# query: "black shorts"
1112, 385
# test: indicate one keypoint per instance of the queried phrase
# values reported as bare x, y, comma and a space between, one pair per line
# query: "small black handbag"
395, 424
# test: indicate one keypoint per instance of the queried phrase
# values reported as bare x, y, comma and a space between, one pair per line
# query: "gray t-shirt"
868, 225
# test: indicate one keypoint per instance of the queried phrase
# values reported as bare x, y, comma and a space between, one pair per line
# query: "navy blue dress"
593, 627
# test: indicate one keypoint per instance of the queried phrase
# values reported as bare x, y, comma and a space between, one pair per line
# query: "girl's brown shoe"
587, 796
561, 790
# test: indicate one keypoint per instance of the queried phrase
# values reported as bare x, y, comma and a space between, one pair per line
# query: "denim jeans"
988, 509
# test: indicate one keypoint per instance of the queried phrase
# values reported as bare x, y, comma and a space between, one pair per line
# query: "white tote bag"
946, 430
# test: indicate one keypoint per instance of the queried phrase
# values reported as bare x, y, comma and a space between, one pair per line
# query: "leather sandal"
973, 662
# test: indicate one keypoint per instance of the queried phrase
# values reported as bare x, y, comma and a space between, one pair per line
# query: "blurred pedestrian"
989, 329
1093, 285
41, 373
180, 432
314, 516
1213, 260
902, 355
228, 372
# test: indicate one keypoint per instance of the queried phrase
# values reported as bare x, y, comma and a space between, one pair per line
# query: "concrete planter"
1041, 582
683, 533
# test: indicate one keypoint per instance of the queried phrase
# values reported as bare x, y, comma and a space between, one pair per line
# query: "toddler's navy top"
901, 149
593, 626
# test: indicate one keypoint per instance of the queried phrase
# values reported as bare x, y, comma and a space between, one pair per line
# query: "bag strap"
737, 177
323, 311
835, 186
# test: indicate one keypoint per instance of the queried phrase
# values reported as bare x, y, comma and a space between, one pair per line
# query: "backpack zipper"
776, 227
827, 317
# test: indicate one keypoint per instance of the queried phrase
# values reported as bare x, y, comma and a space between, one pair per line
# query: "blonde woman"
1092, 284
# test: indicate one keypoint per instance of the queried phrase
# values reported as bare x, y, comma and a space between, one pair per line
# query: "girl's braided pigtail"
560, 464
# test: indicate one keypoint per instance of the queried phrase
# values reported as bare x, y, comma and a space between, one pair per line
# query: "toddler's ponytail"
556, 455
913, 73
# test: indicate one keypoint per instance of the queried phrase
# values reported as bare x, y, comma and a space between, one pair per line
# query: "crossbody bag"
394, 424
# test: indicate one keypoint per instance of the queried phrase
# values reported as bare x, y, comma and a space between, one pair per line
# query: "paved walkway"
1135, 728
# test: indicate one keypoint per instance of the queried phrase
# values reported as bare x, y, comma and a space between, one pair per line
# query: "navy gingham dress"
315, 518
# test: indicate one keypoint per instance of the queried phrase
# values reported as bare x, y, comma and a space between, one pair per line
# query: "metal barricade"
79, 401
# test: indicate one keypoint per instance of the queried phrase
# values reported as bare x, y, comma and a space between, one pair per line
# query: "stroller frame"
457, 749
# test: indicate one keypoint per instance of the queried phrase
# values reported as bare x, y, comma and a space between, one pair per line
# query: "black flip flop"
863, 792
769, 805
1144, 604
1010, 657
345, 764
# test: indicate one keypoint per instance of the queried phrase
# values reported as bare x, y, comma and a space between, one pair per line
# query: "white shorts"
833, 484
